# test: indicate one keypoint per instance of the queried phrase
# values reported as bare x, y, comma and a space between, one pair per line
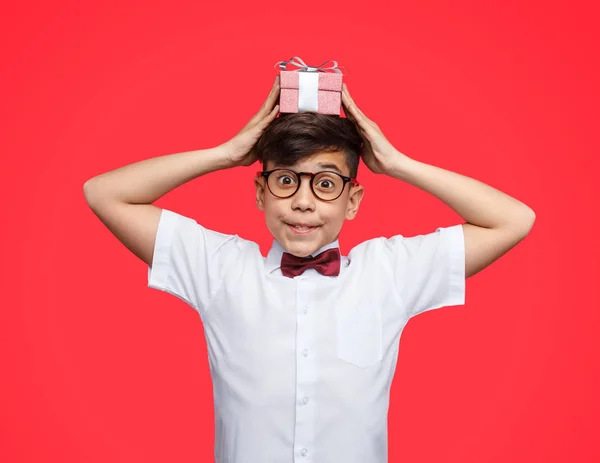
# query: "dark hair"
295, 136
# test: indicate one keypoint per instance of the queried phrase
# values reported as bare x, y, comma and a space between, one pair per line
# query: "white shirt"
302, 367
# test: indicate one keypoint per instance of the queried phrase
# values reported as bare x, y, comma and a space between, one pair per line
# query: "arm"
496, 222
122, 198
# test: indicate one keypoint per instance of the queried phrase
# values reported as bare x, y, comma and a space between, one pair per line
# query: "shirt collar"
273, 261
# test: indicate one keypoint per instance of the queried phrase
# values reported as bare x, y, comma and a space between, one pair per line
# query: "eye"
286, 180
327, 181
325, 184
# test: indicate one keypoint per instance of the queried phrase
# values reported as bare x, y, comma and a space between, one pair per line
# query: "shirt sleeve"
190, 260
429, 270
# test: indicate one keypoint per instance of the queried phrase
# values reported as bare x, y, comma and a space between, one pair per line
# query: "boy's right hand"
241, 148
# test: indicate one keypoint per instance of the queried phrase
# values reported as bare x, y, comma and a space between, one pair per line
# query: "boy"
303, 343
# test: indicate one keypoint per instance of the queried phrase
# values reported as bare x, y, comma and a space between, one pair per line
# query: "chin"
301, 248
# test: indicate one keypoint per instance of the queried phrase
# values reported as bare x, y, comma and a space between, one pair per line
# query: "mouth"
302, 228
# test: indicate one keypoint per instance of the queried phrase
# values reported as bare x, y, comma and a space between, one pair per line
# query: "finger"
267, 120
345, 105
348, 102
273, 95
356, 112
354, 115
348, 114
351, 118
267, 106
274, 89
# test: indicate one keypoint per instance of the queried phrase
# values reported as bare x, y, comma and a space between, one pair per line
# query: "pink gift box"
329, 92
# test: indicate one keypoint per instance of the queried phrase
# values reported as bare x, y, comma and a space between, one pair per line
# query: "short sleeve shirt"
302, 367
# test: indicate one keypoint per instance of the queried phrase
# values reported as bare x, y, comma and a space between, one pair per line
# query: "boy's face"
303, 207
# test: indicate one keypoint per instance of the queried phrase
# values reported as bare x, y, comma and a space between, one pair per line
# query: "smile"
301, 229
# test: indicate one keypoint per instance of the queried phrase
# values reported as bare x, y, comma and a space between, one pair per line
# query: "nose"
304, 199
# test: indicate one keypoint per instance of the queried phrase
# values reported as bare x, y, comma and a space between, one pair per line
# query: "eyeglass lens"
326, 185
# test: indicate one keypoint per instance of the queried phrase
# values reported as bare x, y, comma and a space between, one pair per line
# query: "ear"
354, 198
259, 183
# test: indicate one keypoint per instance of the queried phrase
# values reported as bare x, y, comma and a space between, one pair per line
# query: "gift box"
309, 88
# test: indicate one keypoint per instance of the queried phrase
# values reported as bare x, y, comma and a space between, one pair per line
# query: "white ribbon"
308, 92
308, 82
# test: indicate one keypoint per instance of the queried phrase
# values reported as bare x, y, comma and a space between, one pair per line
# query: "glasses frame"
265, 174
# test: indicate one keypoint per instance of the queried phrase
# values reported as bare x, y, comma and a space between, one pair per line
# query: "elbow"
87, 187
90, 191
526, 221
530, 217
520, 222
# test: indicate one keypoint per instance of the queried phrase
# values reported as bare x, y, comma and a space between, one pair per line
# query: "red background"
96, 367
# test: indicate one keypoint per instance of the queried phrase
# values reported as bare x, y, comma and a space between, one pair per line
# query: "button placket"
305, 370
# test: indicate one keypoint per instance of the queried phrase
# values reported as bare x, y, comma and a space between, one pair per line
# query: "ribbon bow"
327, 263
303, 67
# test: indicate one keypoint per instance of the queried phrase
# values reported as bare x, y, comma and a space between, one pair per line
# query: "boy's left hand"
377, 152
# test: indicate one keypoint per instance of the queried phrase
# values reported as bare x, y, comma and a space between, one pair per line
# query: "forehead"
335, 161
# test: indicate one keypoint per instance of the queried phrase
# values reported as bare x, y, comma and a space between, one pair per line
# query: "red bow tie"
326, 263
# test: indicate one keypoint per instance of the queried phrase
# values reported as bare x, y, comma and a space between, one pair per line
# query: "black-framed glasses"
326, 185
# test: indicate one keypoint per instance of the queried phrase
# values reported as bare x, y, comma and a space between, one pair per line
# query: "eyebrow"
324, 165
330, 166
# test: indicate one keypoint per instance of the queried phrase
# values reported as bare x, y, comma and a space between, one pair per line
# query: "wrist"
223, 156
403, 167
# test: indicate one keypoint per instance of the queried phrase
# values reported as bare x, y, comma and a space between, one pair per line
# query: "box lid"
327, 80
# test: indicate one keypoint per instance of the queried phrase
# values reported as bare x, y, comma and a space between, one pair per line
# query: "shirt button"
305, 352
305, 310
303, 452
305, 400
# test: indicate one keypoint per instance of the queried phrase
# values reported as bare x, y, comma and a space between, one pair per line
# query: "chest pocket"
359, 334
